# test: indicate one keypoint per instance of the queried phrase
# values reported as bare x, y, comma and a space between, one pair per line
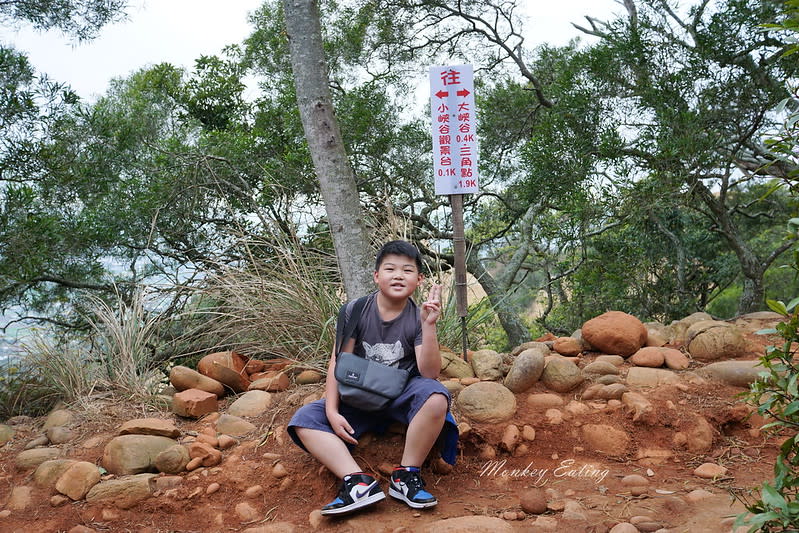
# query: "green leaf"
793, 303
767, 331
777, 306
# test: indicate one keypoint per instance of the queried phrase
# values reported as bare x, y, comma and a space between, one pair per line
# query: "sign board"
454, 119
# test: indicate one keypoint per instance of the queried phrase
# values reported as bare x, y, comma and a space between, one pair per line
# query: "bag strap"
345, 331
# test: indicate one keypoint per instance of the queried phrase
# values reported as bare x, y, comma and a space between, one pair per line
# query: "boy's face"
397, 276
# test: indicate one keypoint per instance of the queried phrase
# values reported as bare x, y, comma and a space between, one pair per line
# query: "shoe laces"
413, 479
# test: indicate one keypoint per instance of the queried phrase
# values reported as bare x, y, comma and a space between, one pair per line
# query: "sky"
179, 31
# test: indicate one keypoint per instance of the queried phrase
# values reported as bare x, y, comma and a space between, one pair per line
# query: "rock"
710, 340
233, 425
275, 527
615, 333
59, 435
624, 527
613, 391
648, 356
308, 377
41, 440
526, 370
697, 437
568, 346
710, 471
208, 456
58, 500
184, 378
553, 416
510, 437
252, 403
150, 426
227, 368
226, 441
698, 495
539, 345
6, 433
528, 433
20, 498
76, 481
58, 417
486, 365
453, 366
279, 471
48, 472
636, 403
134, 454
194, 403
675, 359
246, 512
735, 373
605, 439
124, 492
615, 360
468, 524
561, 375
487, 401
173, 460
165, 483
576, 408
29, 459
639, 376
543, 401
632, 480
454, 387
601, 368
271, 382
533, 501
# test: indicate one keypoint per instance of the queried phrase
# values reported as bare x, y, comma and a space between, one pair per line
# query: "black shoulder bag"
363, 383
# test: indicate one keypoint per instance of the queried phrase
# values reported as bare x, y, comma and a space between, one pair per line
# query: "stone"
134, 454
20, 498
251, 403
58, 500
194, 403
601, 368
6, 433
165, 483
59, 435
76, 481
279, 471
624, 527
735, 373
173, 460
209, 456
561, 375
453, 366
553, 416
234, 425
639, 376
47, 473
528, 433
698, 495
246, 512
486, 365
41, 440
637, 403
632, 480
226, 442
28, 459
545, 400
526, 370
308, 377
57, 417
568, 346
539, 345
648, 356
605, 439
711, 340
467, 524
697, 437
675, 359
184, 378
510, 437
227, 368
454, 387
615, 332
124, 492
487, 401
710, 471
271, 382
613, 391
150, 426
615, 360
533, 501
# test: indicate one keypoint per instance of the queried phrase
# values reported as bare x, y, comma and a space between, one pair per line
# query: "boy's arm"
428, 357
337, 422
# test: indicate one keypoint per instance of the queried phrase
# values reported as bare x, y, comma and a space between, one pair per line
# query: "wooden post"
459, 242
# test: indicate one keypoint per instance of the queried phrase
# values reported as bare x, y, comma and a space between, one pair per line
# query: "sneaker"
407, 485
357, 490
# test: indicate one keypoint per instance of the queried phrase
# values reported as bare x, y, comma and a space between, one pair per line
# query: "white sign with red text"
454, 118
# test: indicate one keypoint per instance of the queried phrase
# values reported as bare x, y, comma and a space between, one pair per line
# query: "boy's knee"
437, 403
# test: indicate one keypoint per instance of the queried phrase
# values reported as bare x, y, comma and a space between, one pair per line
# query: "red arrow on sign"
442, 94
463, 92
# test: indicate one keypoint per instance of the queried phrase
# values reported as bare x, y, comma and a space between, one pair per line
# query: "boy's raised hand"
431, 309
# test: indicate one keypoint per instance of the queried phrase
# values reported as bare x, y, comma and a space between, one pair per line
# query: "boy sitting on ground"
393, 331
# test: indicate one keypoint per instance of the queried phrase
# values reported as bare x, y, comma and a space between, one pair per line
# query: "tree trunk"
336, 179
513, 326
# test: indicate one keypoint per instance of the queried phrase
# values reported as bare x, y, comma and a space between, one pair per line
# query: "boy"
394, 331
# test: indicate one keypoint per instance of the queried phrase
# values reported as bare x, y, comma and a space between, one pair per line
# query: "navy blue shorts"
401, 409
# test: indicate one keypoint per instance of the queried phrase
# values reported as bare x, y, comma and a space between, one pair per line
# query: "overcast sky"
179, 31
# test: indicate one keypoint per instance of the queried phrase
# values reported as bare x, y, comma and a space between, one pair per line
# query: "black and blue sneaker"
357, 491
407, 485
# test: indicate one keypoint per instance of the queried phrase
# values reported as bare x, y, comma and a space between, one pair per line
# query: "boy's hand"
431, 309
341, 427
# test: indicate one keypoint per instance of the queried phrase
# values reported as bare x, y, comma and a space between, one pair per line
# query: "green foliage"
79, 18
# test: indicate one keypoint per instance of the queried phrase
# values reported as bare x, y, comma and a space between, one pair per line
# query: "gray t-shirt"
389, 342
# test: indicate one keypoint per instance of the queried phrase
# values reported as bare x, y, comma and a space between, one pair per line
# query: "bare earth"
585, 492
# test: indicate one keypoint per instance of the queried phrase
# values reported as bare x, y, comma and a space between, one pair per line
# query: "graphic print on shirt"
387, 354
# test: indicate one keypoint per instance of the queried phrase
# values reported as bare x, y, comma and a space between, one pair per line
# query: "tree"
79, 18
327, 149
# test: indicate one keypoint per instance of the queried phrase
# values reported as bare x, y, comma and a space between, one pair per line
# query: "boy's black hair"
399, 248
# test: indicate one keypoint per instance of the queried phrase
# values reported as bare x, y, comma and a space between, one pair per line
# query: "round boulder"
487, 401
615, 332
710, 340
184, 378
561, 375
227, 368
134, 454
526, 370
650, 356
486, 365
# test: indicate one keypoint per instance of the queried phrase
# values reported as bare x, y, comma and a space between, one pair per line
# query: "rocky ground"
626, 443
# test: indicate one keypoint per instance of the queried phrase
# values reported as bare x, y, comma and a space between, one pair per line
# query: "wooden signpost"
455, 157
